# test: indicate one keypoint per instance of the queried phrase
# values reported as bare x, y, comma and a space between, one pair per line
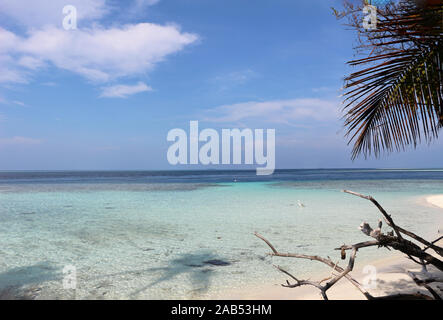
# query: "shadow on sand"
197, 266
14, 283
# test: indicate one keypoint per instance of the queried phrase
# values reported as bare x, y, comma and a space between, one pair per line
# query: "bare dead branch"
425, 283
388, 240
327, 261
431, 245
433, 242
412, 250
384, 213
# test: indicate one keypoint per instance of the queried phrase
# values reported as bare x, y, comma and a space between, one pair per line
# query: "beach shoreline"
391, 278
435, 200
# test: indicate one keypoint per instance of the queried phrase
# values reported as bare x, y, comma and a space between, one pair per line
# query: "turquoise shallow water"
153, 240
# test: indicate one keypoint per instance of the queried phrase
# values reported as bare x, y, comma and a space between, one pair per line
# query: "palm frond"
397, 100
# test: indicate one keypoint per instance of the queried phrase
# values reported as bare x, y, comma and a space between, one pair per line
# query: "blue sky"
105, 95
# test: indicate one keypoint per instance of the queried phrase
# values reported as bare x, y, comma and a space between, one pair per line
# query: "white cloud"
278, 111
30, 62
12, 75
8, 40
138, 7
92, 51
35, 14
19, 103
17, 140
97, 54
123, 91
10, 71
7, 102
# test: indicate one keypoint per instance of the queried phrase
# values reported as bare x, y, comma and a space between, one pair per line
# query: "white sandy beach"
436, 200
391, 279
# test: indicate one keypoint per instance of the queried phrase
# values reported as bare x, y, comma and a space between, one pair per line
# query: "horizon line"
213, 169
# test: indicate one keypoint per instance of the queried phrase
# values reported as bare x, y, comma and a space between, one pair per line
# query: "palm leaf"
397, 100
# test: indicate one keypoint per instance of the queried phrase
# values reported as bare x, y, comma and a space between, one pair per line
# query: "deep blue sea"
189, 234
216, 176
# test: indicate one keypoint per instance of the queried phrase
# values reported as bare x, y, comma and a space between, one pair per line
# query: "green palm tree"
395, 100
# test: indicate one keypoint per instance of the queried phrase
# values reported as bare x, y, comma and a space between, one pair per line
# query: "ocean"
189, 234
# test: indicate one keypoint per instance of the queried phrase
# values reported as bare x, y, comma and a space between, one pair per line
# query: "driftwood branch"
425, 283
327, 261
384, 213
391, 240
397, 242
396, 228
